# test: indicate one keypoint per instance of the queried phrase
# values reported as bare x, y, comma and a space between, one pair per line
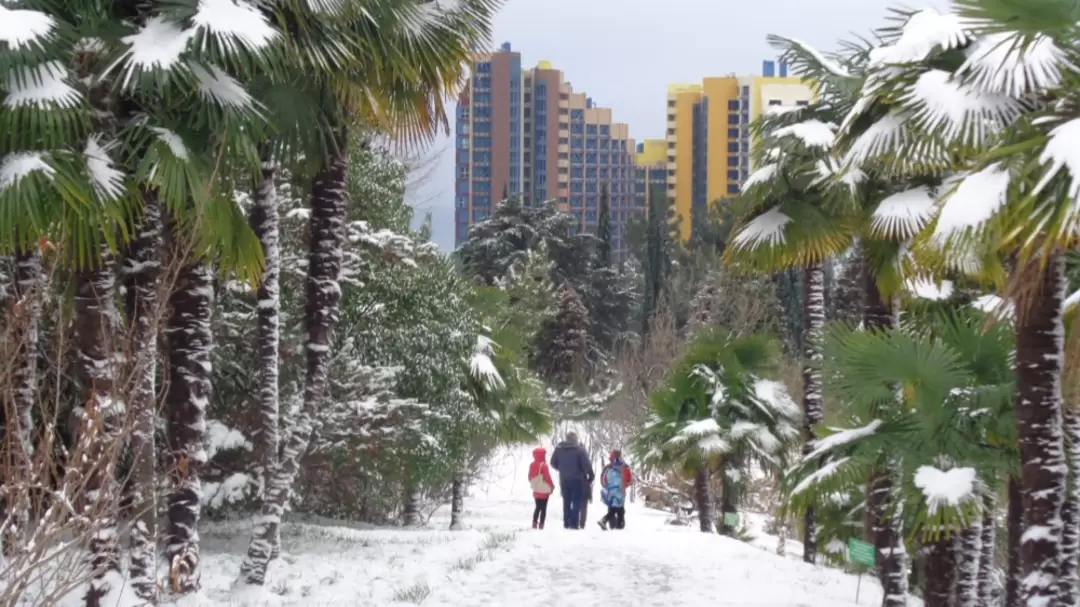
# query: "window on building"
733, 161
733, 133
733, 146
733, 104
483, 67
733, 119
590, 129
564, 140
733, 188
774, 102
605, 129
802, 103
733, 175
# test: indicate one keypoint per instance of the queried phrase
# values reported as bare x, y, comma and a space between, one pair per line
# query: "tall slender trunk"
940, 572
265, 223
323, 291
704, 499
1069, 582
99, 419
411, 514
988, 551
142, 274
883, 516
1015, 528
813, 414
968, 554
19, 420
190, 388
1040, 337
729, 497
457, 504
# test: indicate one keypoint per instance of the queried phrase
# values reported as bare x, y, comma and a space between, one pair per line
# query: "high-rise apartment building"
709, 147
650, 169
528, 134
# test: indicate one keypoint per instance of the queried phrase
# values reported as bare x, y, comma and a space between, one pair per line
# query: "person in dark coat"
575, 472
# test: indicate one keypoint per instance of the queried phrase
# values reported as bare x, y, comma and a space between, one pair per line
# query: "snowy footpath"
500, 561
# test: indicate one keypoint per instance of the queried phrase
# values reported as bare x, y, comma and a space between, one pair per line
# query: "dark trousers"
573, 494
540, 512
615, 518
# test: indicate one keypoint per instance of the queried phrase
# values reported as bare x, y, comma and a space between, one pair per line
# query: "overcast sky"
624, 53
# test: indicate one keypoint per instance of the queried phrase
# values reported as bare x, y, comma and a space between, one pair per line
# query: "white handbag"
538, 484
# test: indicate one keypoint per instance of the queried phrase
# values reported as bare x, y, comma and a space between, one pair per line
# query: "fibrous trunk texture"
323, 292
142, 274
814, 318
266, 224
457, 504
99, 418
1015, 523
968, 553
1068, 583
988, 593
1040, 345
940, 572
190, 387
704, 499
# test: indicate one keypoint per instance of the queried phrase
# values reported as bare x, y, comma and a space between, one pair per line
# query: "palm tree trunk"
1068, 583
940, 572
265, 223
143, 280
190, 347
704, 499
411, 514
457, 504
1039, 355
813, 414
26, 314
968, 554
142, 273
95, 312
988, 547
1015, 524
323, 292
886, 528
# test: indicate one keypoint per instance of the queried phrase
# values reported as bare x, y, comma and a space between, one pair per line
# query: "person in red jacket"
542, 486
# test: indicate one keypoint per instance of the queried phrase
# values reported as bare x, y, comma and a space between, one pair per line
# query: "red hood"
539, 454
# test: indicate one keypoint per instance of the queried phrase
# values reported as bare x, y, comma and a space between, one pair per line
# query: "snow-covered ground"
500, 561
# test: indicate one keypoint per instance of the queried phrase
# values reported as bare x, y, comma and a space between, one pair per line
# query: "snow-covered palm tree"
717, 410
983, 100
955, 390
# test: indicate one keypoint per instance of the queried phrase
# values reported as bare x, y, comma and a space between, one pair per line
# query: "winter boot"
603, 524
535, 525
541, 526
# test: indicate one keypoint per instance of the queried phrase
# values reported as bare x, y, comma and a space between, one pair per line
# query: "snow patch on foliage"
217, 86
993, 304
765, 229
1007, 63
925, 31
813, 133
17, 166
1063, 152
950, 488
108, 181
41, 86
928, 289
904, 214
761, 175
830, 66
19, 28
843, 437
234, 23
819, 475
157, 45
482, 367
957, 112
220, 437
882, 137
173, 141
234, 488
976, 198
776, 398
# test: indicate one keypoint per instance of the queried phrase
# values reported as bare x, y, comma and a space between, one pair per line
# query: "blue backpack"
613, 493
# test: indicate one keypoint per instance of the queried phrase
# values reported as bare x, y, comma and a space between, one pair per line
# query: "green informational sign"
861, 553
731, 519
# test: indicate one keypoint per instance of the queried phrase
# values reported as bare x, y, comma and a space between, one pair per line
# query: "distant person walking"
542, 486
575, 472
615, 479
